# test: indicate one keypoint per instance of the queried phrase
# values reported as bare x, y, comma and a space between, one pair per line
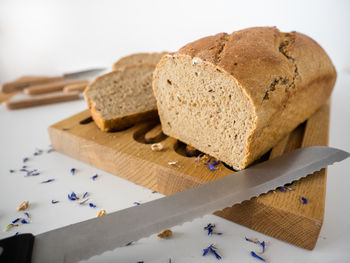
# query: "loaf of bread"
234, 96
138, 58
119, 99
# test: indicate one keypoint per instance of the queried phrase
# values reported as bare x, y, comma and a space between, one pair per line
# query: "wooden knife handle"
41, 100
50, 87
80, 87
26, 81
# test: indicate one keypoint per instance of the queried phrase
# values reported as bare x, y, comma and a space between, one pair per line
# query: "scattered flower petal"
210, 165
94, 177
210, 228
23, 221
256, 241
137, 203
85, 194
27, 214
38, 152
16, 233
16, 220
73, 197
282, 189
254, 255
130, 243
54, 201
26, 159
72, 171
211, 249
12, 171
50, 150
84, 201
48, 181
92, 205
303, 200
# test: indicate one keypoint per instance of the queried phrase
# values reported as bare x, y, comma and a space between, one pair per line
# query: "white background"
52, 37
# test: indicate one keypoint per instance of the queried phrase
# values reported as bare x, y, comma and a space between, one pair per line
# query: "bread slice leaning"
119, 99
138, 58
234, 96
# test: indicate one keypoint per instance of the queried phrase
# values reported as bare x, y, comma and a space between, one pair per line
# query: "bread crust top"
261, 57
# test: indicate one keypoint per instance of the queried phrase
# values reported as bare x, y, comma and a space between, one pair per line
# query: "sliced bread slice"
119, 99
138, 58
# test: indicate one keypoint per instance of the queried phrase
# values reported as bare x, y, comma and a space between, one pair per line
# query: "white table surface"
42, 37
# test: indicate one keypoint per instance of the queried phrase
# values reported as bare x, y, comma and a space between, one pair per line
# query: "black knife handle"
17, 249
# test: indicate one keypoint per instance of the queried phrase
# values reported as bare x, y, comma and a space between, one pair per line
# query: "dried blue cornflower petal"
255, 241
38, 152
154, 192
84, 201
16, 233
12, 171
92, 205
303, 200
137, 203
54, 201
262, 244
130, 243
23, 221
31, 173
211, 166
24, 166
50, 150
23, 170
211, 249
72, 171
209, 228
215, 162
282, 189
73, 197
254, 255
85, 194
48, 181
16, 220
94, 177
27, 214
26, 159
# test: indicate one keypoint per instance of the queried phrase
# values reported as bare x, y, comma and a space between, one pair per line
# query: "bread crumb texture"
234, 96
118, 99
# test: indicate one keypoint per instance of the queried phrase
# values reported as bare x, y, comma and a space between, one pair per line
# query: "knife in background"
92, 237
25, 82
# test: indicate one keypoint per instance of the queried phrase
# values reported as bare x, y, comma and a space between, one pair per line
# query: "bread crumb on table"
165, 233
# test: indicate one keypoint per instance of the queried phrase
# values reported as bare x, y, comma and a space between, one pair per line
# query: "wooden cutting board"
128, 154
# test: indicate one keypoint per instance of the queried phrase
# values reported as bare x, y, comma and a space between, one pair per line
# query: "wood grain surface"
128, 154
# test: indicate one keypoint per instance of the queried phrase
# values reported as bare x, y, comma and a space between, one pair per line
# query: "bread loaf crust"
287, 77
138, 58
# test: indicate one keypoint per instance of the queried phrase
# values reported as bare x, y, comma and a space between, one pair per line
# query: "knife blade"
92, 237
22, 83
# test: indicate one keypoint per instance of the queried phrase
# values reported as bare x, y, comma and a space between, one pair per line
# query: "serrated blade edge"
95, 236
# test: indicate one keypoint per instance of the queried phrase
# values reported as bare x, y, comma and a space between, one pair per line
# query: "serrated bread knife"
94, 236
